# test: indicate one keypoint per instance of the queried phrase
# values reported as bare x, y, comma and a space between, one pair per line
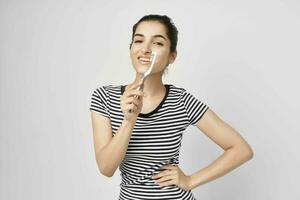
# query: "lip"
143, 57
144, 62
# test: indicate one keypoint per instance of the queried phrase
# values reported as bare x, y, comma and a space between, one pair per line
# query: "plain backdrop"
239, 57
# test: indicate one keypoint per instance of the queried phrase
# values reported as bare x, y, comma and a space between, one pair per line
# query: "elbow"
248, 155
243, 151
248, 152
107, 174
103, 167
104, 170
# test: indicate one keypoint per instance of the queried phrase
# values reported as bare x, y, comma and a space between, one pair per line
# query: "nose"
146, 48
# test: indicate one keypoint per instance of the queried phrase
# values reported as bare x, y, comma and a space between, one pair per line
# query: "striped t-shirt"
155, 140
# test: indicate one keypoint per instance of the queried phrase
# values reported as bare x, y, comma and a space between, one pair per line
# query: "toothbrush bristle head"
153, 54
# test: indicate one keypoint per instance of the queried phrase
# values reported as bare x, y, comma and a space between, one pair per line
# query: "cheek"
134, 48
163, 58
133, 53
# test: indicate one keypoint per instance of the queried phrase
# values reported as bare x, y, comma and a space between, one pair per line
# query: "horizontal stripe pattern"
155, 140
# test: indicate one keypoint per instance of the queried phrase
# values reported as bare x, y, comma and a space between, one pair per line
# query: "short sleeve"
195, 108
99, 101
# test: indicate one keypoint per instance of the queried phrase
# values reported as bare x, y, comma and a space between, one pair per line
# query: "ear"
172, 57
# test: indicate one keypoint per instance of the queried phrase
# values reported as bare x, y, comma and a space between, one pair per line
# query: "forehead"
149, 28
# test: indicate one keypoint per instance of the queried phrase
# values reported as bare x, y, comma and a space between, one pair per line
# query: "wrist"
130, 122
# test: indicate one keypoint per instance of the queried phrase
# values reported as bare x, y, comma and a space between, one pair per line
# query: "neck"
153, 85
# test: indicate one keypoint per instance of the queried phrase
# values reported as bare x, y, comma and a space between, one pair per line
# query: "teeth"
145, 59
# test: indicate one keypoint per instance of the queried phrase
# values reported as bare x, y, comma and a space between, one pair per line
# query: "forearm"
229, 160
110, 157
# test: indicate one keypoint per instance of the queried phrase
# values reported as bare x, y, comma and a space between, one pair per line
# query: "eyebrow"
156, 36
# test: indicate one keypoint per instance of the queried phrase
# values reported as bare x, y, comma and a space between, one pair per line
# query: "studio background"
239, 57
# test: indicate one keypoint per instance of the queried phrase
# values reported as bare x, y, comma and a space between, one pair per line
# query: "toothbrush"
146, 74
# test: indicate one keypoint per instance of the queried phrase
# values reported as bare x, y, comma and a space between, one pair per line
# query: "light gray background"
239, 57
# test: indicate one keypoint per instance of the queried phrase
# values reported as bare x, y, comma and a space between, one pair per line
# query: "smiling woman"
152, 36
145, 143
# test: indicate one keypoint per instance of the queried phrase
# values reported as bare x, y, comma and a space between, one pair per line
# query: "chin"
141, 68
140, 71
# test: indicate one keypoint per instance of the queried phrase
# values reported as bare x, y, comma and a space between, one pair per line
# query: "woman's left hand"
172, 175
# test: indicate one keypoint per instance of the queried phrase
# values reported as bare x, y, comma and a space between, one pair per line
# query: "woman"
145, 143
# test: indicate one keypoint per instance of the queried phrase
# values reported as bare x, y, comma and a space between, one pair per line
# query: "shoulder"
189, 98
176, 90
193, 105
179, 91
107, 89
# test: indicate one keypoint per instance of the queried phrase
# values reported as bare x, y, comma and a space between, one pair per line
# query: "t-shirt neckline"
167, 86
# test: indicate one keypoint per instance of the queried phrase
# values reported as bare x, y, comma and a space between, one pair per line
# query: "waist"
147, 191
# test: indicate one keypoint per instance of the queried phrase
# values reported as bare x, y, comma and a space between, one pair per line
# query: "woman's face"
151, 36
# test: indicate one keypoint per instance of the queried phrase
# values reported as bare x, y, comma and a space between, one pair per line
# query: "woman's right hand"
129, 102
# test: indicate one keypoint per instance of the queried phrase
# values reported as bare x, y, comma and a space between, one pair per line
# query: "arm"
110, 151
237, 150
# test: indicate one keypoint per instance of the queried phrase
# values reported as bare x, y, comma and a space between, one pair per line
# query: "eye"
158, 43
137, 41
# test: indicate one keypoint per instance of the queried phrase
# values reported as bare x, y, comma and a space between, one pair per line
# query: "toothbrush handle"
140, 88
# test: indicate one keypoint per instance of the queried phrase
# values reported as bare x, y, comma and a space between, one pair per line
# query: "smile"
144, 60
